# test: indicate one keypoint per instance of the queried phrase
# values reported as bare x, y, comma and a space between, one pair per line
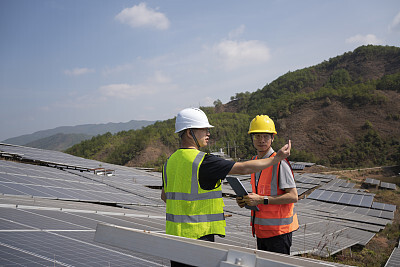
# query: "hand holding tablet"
240, 190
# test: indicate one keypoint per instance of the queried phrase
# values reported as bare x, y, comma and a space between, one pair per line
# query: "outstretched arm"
253, 166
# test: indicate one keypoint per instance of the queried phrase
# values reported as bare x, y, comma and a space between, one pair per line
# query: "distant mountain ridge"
59, 142
87, 130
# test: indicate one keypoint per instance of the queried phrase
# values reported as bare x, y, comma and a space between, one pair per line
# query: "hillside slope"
325, 130
344, 112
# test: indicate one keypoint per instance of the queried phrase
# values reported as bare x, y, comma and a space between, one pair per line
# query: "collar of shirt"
269, 153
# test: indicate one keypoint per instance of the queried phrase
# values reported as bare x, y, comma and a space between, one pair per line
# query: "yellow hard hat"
262, 124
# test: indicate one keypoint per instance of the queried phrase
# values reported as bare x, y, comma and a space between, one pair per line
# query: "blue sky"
72, 62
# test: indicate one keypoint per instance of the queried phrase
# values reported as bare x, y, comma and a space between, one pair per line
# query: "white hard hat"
191, 118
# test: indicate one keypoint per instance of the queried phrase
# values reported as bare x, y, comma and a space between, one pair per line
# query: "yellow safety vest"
191, 211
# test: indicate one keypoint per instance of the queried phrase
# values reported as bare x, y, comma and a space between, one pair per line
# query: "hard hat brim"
261, 131
194, 127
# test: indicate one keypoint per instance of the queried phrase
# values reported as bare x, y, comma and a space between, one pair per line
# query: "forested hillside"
344, 112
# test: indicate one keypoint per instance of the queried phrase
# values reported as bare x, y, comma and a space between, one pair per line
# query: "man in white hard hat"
192, 180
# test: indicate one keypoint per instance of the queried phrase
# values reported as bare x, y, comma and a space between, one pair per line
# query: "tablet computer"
240, 190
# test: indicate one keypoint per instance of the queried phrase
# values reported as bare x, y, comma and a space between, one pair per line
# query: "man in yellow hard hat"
274, 193
192, 180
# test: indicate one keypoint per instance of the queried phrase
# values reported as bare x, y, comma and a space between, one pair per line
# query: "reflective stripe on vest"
274, 182
195, 218
193, 197
282, 221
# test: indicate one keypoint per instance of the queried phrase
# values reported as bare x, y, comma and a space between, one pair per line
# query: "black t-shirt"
213, 169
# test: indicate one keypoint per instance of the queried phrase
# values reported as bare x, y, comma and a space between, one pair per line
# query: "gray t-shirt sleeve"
286, 179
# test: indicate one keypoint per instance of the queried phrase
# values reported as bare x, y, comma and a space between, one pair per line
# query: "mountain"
85, 129
343, 112
59, 142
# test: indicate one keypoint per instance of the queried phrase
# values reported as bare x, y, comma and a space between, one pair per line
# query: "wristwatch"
265, 200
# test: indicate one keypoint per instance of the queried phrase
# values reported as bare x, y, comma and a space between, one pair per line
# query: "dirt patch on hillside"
150, 154
320, 128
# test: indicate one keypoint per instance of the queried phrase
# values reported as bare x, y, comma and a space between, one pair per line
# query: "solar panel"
339, 183
301, 191
341, 189
345, 199
388, 186
309, 179
306, 164
384, 206
305, 185
297, 167
394, 259
335, 197
366, 201
355, 200
315, 194
373, 182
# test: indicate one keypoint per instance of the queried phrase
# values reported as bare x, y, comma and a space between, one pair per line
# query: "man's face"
262, 141
203, 136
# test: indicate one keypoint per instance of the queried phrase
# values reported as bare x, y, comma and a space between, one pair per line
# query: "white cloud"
78, 71
363, 39
142, 16
395, 26
160, 78
123, 90
235, 54
117, 69
236, 32
157, 83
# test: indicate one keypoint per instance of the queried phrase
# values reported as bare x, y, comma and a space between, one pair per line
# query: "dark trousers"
210, 238
279, 243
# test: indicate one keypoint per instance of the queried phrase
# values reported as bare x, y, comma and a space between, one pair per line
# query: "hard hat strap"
194, 138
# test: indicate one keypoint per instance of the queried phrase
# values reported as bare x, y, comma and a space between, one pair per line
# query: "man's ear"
188, 134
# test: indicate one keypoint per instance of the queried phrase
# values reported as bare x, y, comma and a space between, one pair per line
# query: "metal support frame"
195, 252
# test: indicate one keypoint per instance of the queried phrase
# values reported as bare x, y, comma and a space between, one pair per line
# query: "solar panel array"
39, 181
352, 199
308, 181
299, 166
42, 237
48, 215
377, 183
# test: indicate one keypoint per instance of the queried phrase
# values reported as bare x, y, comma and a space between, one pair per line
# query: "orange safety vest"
272, 219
